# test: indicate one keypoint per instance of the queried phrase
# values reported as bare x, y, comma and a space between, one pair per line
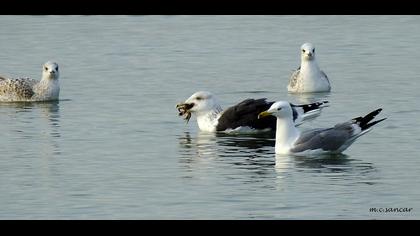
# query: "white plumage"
308, 78
289, 140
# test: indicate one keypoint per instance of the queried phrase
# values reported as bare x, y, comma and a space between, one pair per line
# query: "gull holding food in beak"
242, 117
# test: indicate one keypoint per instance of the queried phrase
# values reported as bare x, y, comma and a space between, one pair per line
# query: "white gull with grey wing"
289, 140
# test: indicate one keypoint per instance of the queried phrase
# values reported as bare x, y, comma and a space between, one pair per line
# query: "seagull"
308, 78
27, 89
334, 140
242, 117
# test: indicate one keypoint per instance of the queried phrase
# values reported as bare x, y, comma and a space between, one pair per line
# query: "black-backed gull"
242, 117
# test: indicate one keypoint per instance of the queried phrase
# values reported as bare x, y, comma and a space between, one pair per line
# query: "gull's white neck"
312, 80
208, 120
309, 68
286, 135
47, 89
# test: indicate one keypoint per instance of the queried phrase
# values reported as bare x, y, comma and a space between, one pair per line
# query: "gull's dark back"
246, 113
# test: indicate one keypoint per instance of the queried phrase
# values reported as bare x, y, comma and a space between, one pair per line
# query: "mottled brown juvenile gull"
242, 117
308, 78
289, 140
27, 89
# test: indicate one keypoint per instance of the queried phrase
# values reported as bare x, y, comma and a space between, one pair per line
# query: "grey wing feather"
326, 139
307, 135
338, 137
325, 75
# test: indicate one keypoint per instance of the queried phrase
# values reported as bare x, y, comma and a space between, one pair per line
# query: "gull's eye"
198, 98
45, 68
278, 109
313, 50
56, 68
303, 50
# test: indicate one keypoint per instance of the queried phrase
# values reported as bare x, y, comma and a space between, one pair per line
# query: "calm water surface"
113, 147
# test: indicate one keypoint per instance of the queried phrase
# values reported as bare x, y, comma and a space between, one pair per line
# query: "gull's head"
307, 51
199, 102
50, 70
281, 109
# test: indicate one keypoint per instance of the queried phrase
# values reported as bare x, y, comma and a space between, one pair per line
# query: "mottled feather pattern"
28, 90
16, 89
294, 78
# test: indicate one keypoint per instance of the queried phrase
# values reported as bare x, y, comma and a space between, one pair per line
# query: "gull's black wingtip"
364, 124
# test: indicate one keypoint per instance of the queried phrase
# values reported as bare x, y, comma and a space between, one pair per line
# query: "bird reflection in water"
252, 153
333, 166
45, 132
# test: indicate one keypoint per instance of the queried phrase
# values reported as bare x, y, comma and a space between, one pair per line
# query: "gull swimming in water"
308, 78
289, 140
242, 117
27, 89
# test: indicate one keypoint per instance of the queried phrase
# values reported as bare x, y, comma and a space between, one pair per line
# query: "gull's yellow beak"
264, 114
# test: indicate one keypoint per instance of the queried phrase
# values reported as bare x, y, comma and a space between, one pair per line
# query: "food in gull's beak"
183, 109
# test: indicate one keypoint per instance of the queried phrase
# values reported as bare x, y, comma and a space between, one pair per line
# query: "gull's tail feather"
364, 121
373, 123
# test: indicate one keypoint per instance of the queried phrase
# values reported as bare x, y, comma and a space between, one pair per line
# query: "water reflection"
254, 156
337, 166
197, 152
204, 145
309, 97
249, 152
222, 145
257, 142
257, 149
44, 117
